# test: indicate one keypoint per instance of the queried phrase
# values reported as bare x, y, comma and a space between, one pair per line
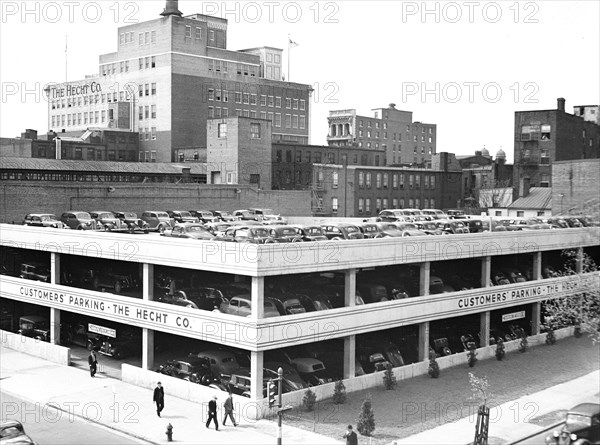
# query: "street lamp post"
562, 195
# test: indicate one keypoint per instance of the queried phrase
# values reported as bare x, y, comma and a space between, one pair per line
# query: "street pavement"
129, 409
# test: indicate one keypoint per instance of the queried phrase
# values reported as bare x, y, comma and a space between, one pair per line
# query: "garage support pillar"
349, 357
579, 260
147, 334
258, 298
54, 313
537, 266
256, 376
536, 315
424, 274
484, 329
424, 341
486, 271
350, 290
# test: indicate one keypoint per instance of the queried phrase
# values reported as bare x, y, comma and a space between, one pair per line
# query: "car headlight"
573, 437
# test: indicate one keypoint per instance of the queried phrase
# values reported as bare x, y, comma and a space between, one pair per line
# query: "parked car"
372, 293
531, 224
453, 226
203, 216
284, 234
223, 363
245, 215
107, 278
435, 213
157, 221
127, 343
371, 361
223, 216
189, 231
390, 229
499, 279
242, 306
34, 326
195, 370
217, 228
474, 225
409, 229
311, 370
311, 233
430, 228
43, 220
12, 432
436, 285
78, 334
557, 222
108, 221
267, 216
35, 271
573, 221
391, 215
313, 303
370, 230
179, 298
250, 234
335, 294
134, 224
287, 304
342, 231
80, 221
582, 426
291, 378
456, 214
513, 275
182, 216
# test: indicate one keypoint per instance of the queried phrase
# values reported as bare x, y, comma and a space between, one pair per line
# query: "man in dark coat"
159, 398
228, 408
93, 362
350, 436
212, 413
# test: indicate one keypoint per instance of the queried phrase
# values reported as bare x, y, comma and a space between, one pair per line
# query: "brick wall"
18, 199
575, 187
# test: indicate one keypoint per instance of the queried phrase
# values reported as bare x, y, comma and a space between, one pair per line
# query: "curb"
57, 408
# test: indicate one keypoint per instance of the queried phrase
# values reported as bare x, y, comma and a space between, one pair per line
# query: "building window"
153, 133
253, 99
378, 205
546, 130
432, 184
278, 156
277, 102
394, 203
211, 112
295, 121
520, 213
302, 104
395, 180
278, 120
188, 32
288, 121
378, 180
417, 181
198, 33
368, 206
211, 94
385, 180
255, 131
334, 205
263, 100
308, 155
153, 112
222, 130
238, 97
318, 155
361, 206
246, 97
288, 156
368, 180
146, 112
298, 156
417, 203
335, 180
411, 180
544, 157
545, 181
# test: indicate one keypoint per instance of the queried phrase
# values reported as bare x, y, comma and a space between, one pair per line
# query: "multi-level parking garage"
415, 293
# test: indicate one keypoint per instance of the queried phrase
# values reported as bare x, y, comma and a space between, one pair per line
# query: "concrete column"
258, 298
536, 315
256, 376
54, 268
350, 287
484, 329
55, 326
423, 341
424, 274
147, 334
537, 266
579, 260
486, 271
349, 356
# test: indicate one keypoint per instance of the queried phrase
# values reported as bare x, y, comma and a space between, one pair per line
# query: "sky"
465, 66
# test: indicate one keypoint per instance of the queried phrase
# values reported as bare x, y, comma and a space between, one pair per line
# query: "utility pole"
280, 410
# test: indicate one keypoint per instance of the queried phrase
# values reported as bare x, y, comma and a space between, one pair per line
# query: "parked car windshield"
314, 231
105, 215
185, 214
162, 215
196, 229
259, 232
578, 421
48, 217
286, 232
352, 229
129, 215
82, 215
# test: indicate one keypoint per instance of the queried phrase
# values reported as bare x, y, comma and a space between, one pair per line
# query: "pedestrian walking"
159, 398
93, 362
212, 413
228, 408
350, 436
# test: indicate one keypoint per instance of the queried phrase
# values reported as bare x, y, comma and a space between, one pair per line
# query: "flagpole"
66, 58
289, 56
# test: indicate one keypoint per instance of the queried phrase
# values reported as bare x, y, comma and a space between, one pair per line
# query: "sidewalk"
510, 421
127, 408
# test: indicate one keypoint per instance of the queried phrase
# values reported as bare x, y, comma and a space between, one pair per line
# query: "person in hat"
212, 413
350, 436
228, 408
93, 362
159, 398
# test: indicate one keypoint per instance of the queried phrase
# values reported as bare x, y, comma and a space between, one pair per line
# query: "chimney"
29, 134
524, 187
171, 9
560, 104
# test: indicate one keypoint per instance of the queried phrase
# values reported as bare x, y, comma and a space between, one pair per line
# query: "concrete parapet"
47, 351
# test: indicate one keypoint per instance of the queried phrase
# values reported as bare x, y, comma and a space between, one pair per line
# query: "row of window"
385, 126
147, 134
220, 95
110, 69
291, 120
99, 177
197, 33
254, 130
317, 157
147, 89
92, 99
377, 135
398, 180
75, 119
147, 112
88, 153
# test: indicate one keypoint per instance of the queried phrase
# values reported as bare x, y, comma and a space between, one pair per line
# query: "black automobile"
191, 369
124, 345
499, 279
284, 234
34, 326
221, 215
582, 426
108, 221
204, 216
78, 334
13, 433
311, 233
182, 216
474, 225
35, 271
342, 231
43, 220
133, 223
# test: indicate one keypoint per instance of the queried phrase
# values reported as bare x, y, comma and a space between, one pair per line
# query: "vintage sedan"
35, 271
108, 221
251, 234
13, 433
203, 216
311, 370
157, 221
409, 229
284, 234
370, 230
80, 221
182, 216
342, 231
43, 220
242, 306
189, 230
311, 233
453, 226
191, 369
582, 426
391, 215
133, 223
221, 215
34, 326
430, 228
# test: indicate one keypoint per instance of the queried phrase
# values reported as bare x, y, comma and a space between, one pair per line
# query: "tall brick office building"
171, 74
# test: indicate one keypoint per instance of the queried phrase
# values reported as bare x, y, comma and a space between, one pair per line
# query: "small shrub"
434, 368
389, 379
366, 420
577, 332
472, 354
550, 337
523, 343
500, 352
309, 400
339, 393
